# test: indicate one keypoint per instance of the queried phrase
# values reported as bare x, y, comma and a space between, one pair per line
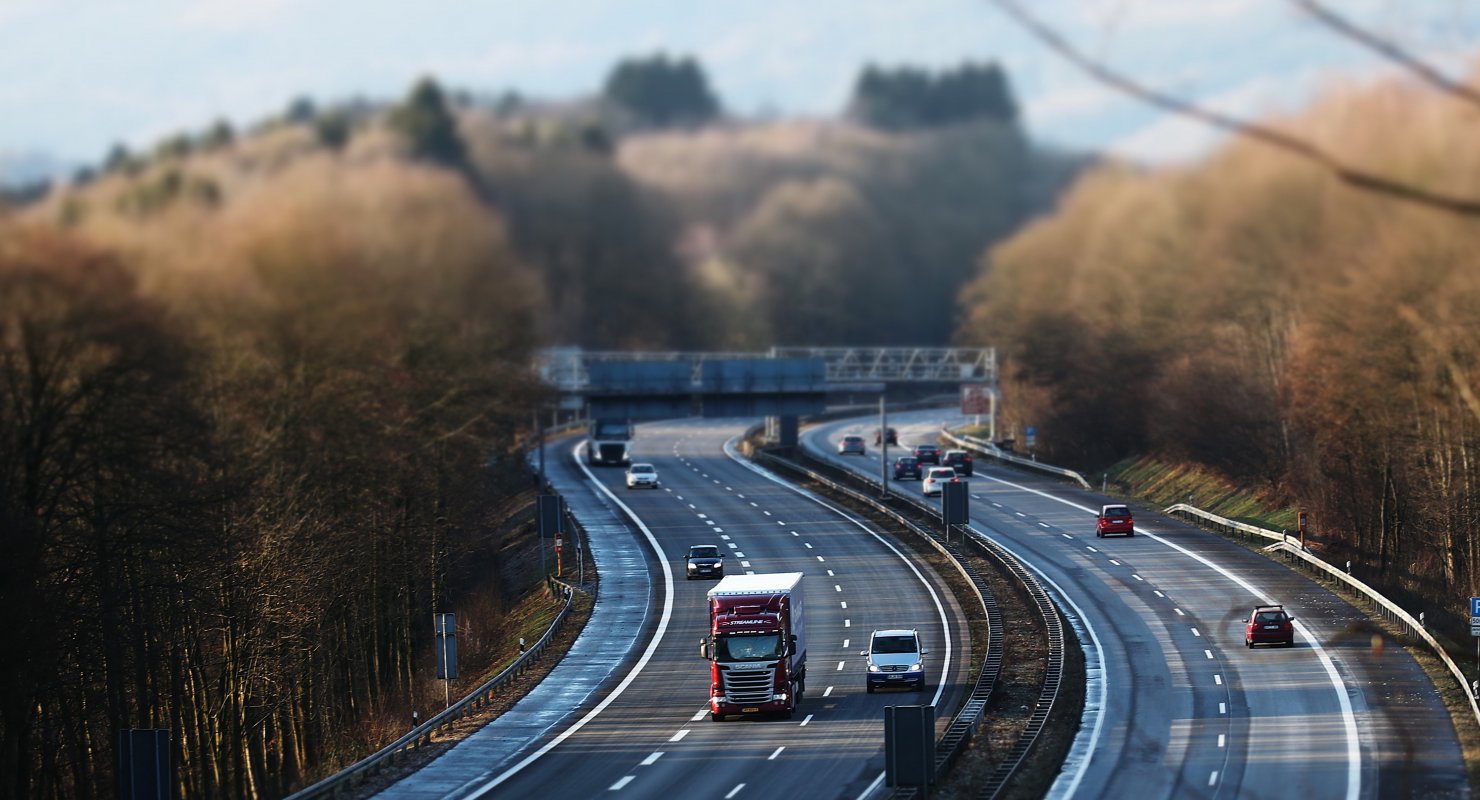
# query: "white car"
935, 477
640, 475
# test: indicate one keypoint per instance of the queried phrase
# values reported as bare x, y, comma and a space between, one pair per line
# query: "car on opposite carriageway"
935, 477
960, 460
1115, 519
1269, 624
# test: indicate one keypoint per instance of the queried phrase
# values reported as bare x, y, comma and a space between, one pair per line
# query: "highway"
1178, 707
654, 737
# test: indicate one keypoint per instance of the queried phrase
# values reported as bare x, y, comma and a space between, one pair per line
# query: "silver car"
642, 475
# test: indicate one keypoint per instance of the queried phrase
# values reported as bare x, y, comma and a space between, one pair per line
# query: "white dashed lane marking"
649, 761
677, 737
623, 782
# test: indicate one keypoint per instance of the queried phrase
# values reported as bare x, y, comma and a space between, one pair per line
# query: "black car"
927, 453
893, 436
960, 459
704, 561
906, 467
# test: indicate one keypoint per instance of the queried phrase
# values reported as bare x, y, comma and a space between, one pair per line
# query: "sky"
84, 74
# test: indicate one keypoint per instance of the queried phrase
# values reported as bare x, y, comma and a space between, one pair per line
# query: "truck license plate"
751, 710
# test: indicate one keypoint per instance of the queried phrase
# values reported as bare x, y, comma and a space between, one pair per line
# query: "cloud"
1080, 100
235, 15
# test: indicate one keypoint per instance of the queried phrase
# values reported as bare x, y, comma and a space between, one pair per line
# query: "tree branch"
1388, 50
1352, 176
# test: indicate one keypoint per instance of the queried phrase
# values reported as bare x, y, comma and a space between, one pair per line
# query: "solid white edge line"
945, 622
637, 668
1348, 716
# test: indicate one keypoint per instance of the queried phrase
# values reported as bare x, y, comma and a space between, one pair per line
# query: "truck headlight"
781, 695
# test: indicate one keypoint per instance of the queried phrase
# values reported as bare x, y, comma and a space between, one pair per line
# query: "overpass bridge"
569, 368
781, 384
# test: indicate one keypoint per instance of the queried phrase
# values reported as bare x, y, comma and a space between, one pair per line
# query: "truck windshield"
749, 647
613, 430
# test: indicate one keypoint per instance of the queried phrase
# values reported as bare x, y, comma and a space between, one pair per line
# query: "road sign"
976, 398
1475, 606
1030, 437
559, 544
445, 627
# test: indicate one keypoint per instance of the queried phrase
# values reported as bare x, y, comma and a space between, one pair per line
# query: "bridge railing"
1380, 604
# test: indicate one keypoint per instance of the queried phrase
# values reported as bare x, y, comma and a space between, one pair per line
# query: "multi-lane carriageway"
1176, 706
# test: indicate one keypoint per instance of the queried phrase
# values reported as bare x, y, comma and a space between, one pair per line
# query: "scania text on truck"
757, 645
607, 444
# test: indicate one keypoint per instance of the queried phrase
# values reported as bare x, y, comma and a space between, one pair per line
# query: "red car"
1115, 519
1269, 625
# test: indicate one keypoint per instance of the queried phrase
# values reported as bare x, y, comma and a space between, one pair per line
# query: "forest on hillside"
263, 393
1255, 315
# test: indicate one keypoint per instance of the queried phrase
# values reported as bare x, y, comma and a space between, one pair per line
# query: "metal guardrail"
969, 717
1053, 677
987, 448
422, 734
1386, 607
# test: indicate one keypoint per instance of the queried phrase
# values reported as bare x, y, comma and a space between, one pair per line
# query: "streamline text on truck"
607, 444
757, 645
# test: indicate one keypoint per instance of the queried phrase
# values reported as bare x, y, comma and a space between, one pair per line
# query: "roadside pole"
883, 449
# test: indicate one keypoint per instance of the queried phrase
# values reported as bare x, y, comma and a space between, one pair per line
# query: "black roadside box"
144, 771
955, 503
909, 745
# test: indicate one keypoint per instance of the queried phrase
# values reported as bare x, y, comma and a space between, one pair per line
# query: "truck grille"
749, 685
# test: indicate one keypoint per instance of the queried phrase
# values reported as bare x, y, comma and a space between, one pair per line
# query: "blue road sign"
1475, 606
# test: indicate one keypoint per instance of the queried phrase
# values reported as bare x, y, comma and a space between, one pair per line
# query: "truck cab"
607, 444
757, 645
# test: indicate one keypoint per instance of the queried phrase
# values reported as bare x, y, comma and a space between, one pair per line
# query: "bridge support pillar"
783, 430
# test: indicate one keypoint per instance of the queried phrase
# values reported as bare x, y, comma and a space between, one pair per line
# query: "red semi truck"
757, 645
